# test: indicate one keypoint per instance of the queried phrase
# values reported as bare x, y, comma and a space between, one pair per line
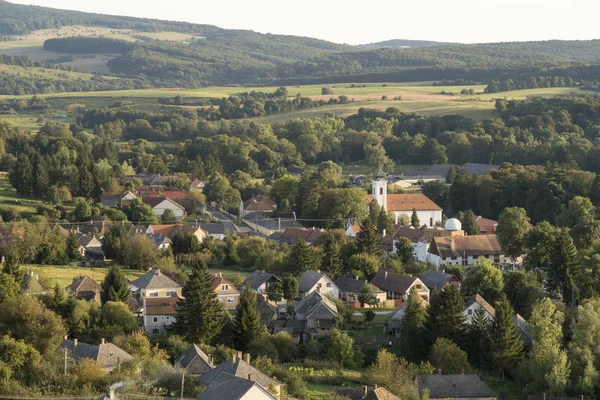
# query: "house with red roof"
226, 292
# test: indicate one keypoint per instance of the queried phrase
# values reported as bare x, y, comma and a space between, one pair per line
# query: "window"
224, 287
328, 284
231, 300
153, 294
430, 221
419, 286
155, 331
453, 258
381, 191
154, 319
168, 318
470, 312
170, 293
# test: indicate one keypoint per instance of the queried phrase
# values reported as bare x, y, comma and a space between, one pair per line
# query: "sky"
357, 22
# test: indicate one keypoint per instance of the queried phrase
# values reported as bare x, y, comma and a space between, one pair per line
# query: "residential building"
219, 231
292, 235
107, 355
195, 361
259, 281
226, 292
352, 230
110, 201
350, 289
96, 226
90, 249
394, 318
486, 226
437, 280
161, 204
154, 284
479, 169
260, 222
159, 314
259, 203
465, 250
363, 393
398, 286
402, 205
172, 229
319, 314
230, 387
197, 184
474, 303
463, 387
240, 368
267, 310
32, 286
85, 288
160, 242
312, 281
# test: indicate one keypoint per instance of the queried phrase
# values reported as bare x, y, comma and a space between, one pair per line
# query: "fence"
544, 397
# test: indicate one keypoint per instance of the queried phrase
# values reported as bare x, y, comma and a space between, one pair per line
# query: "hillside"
403, 43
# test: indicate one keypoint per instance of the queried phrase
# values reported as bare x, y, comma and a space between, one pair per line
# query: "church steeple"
380, 188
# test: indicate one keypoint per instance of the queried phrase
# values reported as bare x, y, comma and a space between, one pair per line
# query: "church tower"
380, 188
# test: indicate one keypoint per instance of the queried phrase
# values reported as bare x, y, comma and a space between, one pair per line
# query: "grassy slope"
10, 199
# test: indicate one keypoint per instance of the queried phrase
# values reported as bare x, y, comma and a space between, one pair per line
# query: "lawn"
371, 336
319, 391
10, 199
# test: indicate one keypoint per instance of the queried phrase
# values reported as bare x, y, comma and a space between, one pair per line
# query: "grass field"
10, 199
319, 391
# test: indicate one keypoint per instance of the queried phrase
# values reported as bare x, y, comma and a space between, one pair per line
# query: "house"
96, 226
172, 229
523, 327
159, 314
226, 292
240, 368
110, 201
160, 242
486, 226
32, 286
128, 196
312, 281
318, 313
465, 250
194, 361
90, 248
362, 393
292, 235
160, 204
467, 387
294, 328
85, 288
159, 180
259, 281
474, 303
437, 280
176, 195
259, 203
350, 289
231, 387
398, 286
394, 318
415, 235
260, 222
267, 310
107, 355
219, 231
402, 205
154, 284
197, 184
352, 230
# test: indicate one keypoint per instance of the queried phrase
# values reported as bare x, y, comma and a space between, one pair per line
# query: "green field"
10, 199
319, 391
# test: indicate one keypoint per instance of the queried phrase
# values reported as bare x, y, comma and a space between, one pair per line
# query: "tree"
302, 258
138, 211
367, 240
513, 226
367, 295
115, 287
485, 279
469, 225
564, 267
115, 242
333, 242
339, 205
405, 250
290, 288
200, 316
9, 286
445, 355
507, 344
341, 348
584, 349
414, 219
364, 265
218, 190
168, 217
412, 328
479, 343
117, 319
396, 374
445, 316
73, 247
246, 321
21, 175
140, 252
275, 291
522, 289
384, 223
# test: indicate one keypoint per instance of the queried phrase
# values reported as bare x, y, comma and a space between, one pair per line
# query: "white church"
396, 205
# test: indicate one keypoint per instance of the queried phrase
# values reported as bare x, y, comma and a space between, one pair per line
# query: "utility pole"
66, 361
182, 382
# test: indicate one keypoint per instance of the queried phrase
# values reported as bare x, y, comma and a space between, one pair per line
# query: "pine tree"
564, 267
507, 344
59, 300
86, 180
445, 316
21, 175
115, 287
384, 222
332, 252
367, 240
11, 267
301, 258
469, 225
374, 211
414, 219
73, 247
41, 179
309, 194
478, 345
411, 329
246, 321
200, 317
290, 288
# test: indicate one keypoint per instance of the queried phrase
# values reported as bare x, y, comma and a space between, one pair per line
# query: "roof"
351, 285
110, 200
239, 368
33, 286
154, 279
400, 311
233, 387
257, 278
313, 303
218, 280
155, 201
84, 283
168, 230
219, 229
194, 360
481, 301
393, 282
408, 202
465, 246
454, 386
308, 280
197, 183
479, 169
413, 234
358, 393
162, 305
106, 354
268, 312
435, 279
272, 224
292, 235
260, 202
158, 240
486, 226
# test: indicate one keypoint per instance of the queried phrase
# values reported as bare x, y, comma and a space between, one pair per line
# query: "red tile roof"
486, 226
408, 202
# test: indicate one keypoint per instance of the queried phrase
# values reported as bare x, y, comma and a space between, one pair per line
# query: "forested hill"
403, 43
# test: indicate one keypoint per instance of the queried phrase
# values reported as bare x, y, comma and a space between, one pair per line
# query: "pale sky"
355, 22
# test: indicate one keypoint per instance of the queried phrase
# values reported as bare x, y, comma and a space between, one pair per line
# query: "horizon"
549, 24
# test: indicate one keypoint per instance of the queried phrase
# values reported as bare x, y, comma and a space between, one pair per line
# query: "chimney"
383, 233
439, 371
75, 342
251, 377
210, 359
462, 371
248, 358
102, 341
239, 355
220, 274
385, 275
366, 391
31, 273
65, 337
356, 277
375, 387
233, 358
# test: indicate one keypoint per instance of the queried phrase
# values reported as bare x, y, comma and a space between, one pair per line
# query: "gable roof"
162, 305
260, 202
400, 311
268, 312
454, 386
231, 387
219, 229
481, 301
159, 240
196, 183
351, 285
435, 279
167, 230
313, 302
257, 278
84, 283
194, 360
465, 246
413, 234
106, 354
292, 235
393, 282
309, 279
408, 202
109, 201
218, 280
33, 286
239, 368
486, 226
272, 224
154, 279
155, 201
358, 393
